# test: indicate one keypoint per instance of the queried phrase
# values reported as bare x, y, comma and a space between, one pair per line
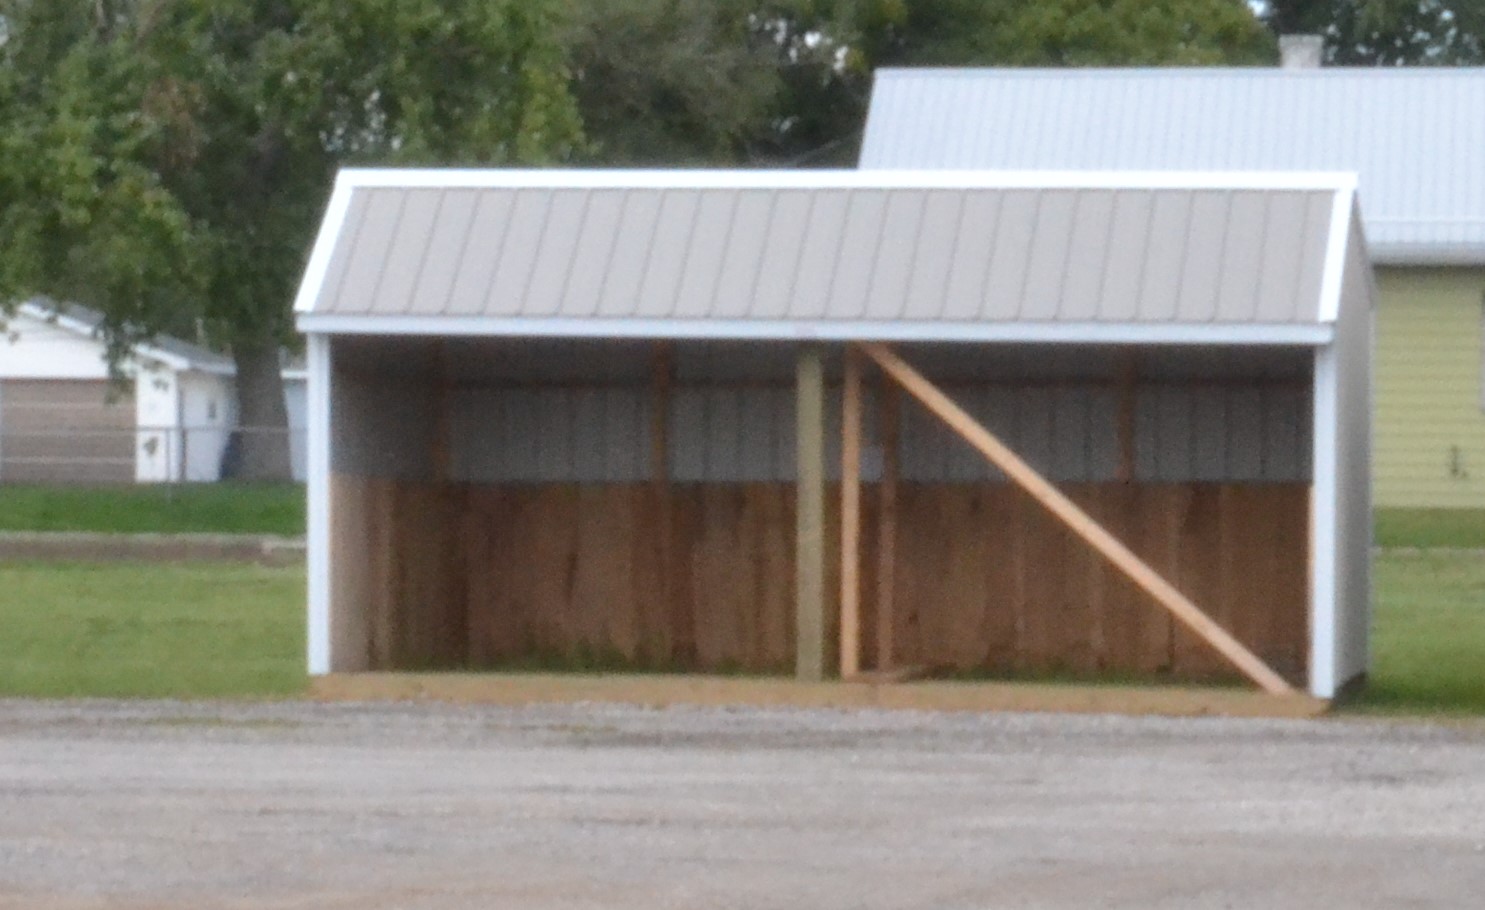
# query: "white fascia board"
324, 245
1428, 254
1305, 335
559, 178
1341, 218
317, 492
1324, 525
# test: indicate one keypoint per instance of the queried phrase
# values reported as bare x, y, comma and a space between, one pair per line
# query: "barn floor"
427, 806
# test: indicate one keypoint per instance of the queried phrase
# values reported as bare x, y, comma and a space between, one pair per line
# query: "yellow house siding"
1429, 427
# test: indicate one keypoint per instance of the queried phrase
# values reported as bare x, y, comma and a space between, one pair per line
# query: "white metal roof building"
486, 348
1414, 136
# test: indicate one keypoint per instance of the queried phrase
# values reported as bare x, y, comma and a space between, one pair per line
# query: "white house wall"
157, 455
297, 408
208, 410
32, 348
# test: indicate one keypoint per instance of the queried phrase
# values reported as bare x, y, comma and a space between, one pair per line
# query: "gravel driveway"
401, 806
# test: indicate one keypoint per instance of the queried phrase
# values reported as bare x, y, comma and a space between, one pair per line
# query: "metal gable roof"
810, 249
1414, 136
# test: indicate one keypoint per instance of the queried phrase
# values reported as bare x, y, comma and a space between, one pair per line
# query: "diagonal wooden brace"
1078, 521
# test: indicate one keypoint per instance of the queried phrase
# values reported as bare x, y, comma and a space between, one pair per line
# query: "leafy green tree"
1387, 32
166, 161
672, 82
827, 90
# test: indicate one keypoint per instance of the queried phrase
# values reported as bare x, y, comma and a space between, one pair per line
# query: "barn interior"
630, 504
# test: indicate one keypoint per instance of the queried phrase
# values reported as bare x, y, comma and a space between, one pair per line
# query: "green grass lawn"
183, 631
1426, 528
218, 508
1428, 635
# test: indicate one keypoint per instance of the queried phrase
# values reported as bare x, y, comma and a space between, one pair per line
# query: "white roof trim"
1212, 72
1335, 255
324, 248
143, 350
554, 178
755, 329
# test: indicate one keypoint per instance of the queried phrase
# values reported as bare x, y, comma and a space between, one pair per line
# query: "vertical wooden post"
890, 418
850, 517
1127, 382
661, 378
676, 608
439, 447
809, 559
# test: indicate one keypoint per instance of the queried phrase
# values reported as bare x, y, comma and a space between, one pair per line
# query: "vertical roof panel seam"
1230, 198
386, 256
1039, 199
560, 298
912, 257
809, 216
758, 266
840, 243
943, 297
1263, 256
1059, 301
540, 241
637, 303
876, 253
685, 259
1108, 246
735, 198
458, 266
1185, 258
608, 258
412, 297
981, 291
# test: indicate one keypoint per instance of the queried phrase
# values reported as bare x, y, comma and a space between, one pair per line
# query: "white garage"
63, 421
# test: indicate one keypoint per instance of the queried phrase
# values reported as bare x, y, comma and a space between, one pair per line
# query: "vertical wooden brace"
662, 375
809, 562
890, 422
440, 444
850, 517
1127, 389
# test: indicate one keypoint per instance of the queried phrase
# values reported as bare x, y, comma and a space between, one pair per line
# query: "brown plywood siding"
608, 576
568, 573
398, 568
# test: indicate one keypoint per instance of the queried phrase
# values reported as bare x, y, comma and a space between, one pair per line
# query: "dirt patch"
86, 547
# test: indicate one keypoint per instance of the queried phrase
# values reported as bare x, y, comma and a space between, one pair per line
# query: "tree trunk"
263, 437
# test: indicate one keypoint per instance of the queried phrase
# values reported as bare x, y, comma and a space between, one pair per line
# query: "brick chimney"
1301, 52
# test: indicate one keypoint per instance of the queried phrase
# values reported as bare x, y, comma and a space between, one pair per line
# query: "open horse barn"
852, 427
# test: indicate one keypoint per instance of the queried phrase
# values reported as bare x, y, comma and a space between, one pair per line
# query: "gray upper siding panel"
1412, 134
925, 255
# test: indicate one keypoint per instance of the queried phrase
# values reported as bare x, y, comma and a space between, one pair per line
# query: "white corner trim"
564, 178
317, 490
1324, 524
1303, 335
324, 245
1341, 213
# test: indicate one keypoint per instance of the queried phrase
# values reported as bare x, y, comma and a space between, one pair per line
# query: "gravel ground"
400, 806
